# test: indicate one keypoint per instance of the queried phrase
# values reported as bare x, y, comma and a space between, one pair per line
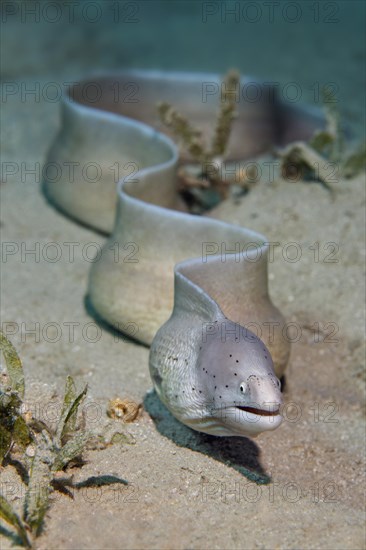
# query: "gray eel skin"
207, 367
213, 374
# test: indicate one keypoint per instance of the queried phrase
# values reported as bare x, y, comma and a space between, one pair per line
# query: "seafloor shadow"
239, 453
53, 204
109, 328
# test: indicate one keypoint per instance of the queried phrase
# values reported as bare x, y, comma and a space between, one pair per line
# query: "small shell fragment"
123, 409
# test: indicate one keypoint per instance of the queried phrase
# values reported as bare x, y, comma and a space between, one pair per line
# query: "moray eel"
215, 361
214, 375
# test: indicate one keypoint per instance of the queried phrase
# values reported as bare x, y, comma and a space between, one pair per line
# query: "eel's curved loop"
220, 269
107, 134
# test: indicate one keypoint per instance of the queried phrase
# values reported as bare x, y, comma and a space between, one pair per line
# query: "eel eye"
243, 387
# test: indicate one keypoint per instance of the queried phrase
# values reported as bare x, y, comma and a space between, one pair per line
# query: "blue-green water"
301, 45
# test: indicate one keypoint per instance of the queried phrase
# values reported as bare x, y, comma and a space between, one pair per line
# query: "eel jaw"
259, 412
254, 418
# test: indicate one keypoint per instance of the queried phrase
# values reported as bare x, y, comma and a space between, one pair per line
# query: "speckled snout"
262, 392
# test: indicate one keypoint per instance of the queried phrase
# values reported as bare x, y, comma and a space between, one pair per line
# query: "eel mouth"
259, 412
